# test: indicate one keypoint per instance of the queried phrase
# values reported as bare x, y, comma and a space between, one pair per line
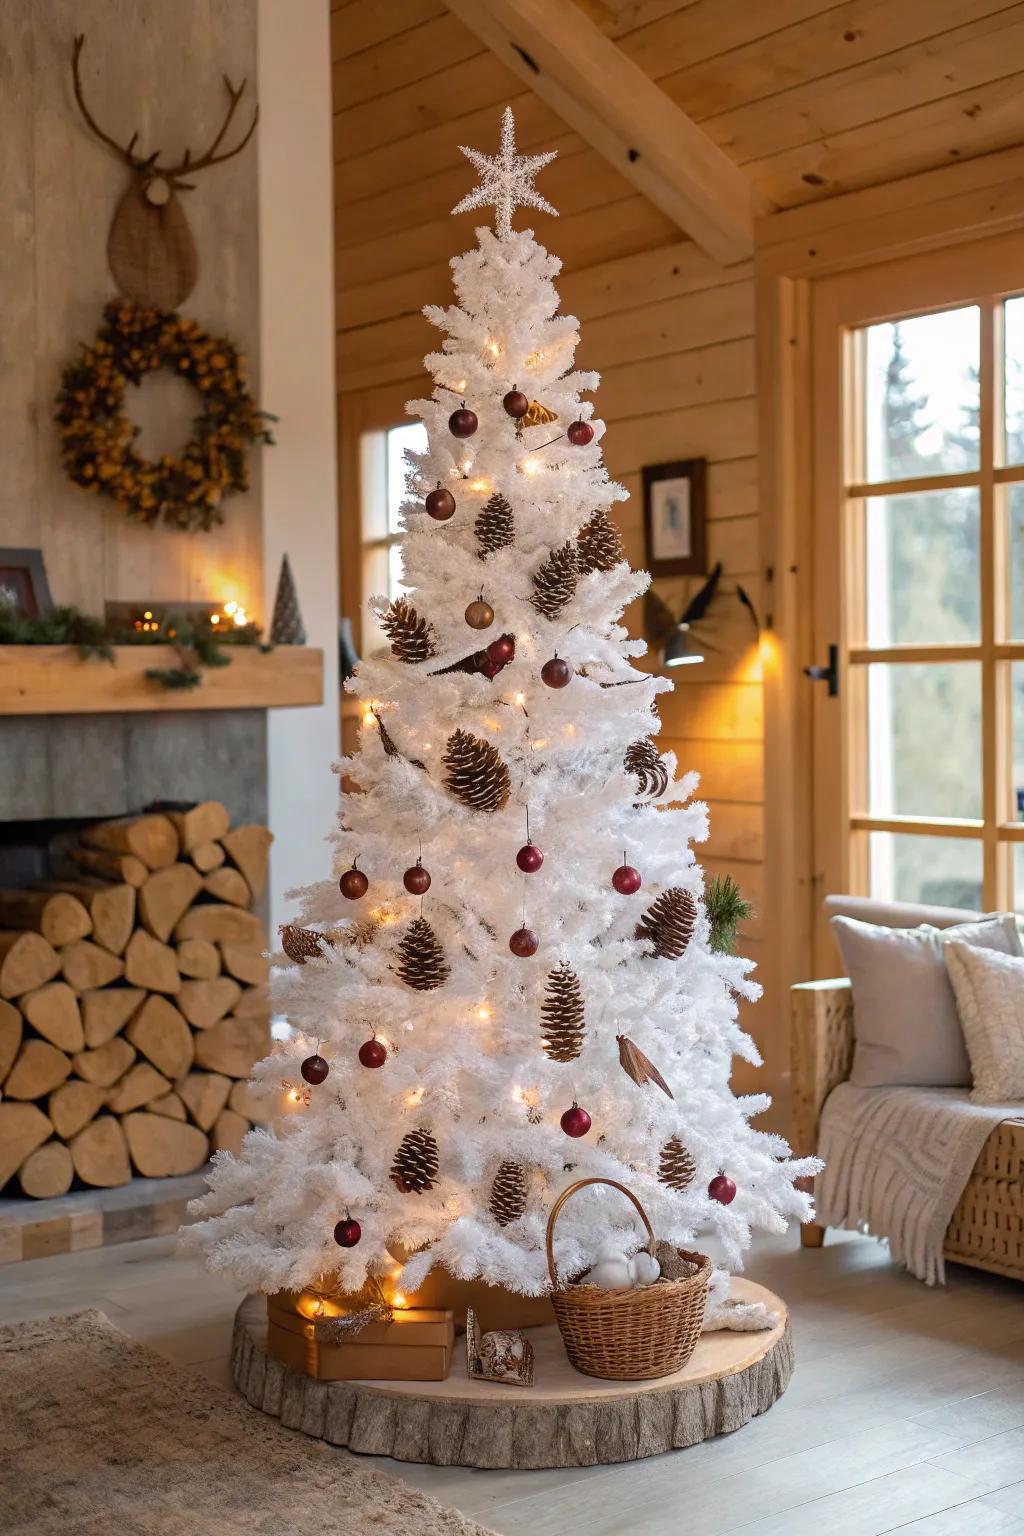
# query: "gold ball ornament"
479, 615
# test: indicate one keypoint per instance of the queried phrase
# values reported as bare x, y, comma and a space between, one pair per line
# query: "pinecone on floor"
645, 761
508, 1193
668, 923
421, 962
677, 1168
495, 526
412, 638
475, 773
599, 545
414, 1169
554, 582
301, 944
563, 1015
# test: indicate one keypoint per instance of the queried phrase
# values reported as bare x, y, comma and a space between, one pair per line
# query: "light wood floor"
906, 1412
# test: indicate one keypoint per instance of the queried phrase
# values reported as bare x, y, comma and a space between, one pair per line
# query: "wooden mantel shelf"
55, 680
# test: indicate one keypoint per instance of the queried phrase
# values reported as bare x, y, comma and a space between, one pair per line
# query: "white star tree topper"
506, 179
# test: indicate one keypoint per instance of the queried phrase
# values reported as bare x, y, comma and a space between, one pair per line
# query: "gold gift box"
416, 1345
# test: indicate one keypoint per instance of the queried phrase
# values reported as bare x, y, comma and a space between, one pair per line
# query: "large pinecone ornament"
563, 1015
475, 773
599, 545
554, 582
668, 923
645, 761
677, 1168
415, 1167
508, 1193
412, 638
421, 962
495, 526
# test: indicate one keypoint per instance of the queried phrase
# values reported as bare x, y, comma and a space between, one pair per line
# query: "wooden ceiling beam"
592, 85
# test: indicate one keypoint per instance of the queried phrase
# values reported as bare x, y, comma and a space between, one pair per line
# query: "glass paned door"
919, 576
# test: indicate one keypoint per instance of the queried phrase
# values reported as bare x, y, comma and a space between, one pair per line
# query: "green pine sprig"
727, 908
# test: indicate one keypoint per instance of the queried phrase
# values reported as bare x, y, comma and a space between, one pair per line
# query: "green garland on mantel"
93, 638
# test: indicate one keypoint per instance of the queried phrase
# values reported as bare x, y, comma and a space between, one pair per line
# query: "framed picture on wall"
675, 518
23, 583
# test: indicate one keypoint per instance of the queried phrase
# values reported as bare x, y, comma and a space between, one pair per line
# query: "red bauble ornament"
580, 433
529, 858
347, 1233
417, 879
503, 649
576, 1121
486, 664
314, 1069
353, 884
463, 422
524, 943
557, 672
440, 504
372, 1053
516, 404
627, 880
722, 1189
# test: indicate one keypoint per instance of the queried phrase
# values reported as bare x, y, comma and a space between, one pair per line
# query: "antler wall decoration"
150, 248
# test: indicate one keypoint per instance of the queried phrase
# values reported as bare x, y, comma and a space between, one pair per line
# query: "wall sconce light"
680, 645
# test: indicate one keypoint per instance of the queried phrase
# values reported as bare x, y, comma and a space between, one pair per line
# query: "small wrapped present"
375, 1342
503, 1355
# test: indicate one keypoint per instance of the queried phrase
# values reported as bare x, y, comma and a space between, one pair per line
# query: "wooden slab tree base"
564, 1420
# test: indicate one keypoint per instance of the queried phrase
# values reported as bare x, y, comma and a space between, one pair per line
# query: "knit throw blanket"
896, 1163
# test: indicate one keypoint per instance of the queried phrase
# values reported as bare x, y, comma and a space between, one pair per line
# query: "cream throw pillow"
989, 989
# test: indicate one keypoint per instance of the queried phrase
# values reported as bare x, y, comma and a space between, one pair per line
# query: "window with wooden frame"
929, 553
383, 470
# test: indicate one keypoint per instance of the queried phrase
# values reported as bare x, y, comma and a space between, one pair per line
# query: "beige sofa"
987, 1227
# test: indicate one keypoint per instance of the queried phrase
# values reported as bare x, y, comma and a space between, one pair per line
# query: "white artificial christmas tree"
509, 990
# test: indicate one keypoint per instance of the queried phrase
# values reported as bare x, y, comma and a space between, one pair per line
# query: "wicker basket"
628, 1335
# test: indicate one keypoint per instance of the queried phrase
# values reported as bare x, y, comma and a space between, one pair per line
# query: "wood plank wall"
670, 333
157, 68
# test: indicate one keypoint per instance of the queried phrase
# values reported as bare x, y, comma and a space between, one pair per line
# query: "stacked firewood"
133, 1002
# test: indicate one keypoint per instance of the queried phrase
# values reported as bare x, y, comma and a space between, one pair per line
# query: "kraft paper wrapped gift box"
416, 1345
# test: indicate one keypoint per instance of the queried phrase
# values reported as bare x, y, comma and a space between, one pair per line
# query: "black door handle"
829, 674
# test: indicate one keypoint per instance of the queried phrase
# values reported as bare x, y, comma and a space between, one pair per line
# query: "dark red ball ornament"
627, 880
353, 884
441, 504
417, 879
503, 649
347, 1233
576, 1122
373, 1053
516, 404
722, 1189
580, 433
529, 858
557, 672
524, 943
314, 1069
463, 422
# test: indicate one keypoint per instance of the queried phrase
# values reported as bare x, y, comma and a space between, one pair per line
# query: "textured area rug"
99, 1435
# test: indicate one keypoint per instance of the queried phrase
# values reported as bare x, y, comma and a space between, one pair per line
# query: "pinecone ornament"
412, 638
677, 1168
421, 962
475, 773
563, 1015
669, 922
495, 526
414, 1169
645, 761
508, 1193
599, 545
301, 944
554, 582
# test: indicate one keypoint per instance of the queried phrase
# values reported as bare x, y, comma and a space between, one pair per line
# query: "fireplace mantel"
55, 680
